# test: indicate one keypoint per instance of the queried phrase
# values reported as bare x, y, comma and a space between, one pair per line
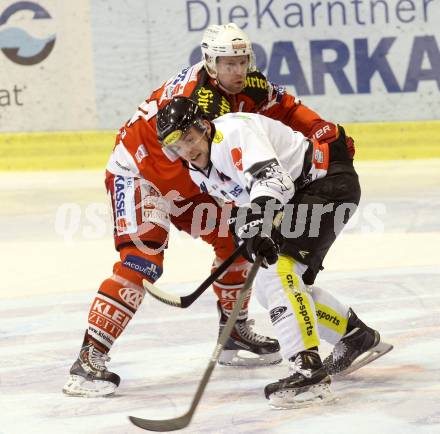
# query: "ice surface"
391, 279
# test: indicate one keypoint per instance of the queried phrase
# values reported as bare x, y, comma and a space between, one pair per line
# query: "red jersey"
138, 153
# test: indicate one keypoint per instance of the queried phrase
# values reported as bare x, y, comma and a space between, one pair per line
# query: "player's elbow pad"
271, 180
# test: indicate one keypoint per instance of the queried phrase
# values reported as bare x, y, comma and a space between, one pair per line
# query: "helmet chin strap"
209, 136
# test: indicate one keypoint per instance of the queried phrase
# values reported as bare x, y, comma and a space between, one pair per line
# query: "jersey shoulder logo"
176, 85
218, 137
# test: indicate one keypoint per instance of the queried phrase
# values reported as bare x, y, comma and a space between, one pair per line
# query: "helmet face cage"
176, 118
225, 40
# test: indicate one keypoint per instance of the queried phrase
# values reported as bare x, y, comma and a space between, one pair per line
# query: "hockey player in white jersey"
264, 166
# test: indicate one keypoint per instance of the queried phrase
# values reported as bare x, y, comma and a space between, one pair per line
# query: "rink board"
90, 150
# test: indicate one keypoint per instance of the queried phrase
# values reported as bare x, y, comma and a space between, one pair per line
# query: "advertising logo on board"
16, 41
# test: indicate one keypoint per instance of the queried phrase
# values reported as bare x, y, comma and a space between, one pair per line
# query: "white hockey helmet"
225, 40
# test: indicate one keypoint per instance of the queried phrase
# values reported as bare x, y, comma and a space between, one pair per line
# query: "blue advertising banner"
95, 61
350, 60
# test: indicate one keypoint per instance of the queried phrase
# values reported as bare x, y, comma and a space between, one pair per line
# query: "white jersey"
253, 155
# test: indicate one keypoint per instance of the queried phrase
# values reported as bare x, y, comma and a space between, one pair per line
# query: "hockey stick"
184, 420
187, 300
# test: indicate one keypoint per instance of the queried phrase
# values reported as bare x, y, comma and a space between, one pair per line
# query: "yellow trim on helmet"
172, 138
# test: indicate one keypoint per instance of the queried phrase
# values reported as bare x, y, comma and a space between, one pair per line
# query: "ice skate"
358, 347
89, 377
307, 384
247, 348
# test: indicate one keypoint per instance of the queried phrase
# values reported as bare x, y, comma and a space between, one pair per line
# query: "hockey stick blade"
164, 297
187, 300
162, 425
181, 422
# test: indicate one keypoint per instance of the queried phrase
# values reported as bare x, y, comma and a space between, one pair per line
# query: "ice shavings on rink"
160, 363
391, 279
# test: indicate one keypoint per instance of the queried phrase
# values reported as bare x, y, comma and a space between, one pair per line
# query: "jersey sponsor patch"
208, 98
276, 312
236, 191
320, 155
121, 166
141, 153
229, 294
176, 85
278, 92
154, 207
133, 297
218, 137
237, 158
205, 98
125, 212
256, 81
203, 187
256, 88
107, 319
144, 266
303, 253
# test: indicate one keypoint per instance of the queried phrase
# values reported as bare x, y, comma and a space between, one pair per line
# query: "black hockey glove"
249, 225
258, 242
342, 148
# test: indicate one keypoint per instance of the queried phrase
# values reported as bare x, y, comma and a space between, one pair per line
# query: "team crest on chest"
237, 158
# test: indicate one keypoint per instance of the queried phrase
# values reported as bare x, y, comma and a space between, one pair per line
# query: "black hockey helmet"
177, 117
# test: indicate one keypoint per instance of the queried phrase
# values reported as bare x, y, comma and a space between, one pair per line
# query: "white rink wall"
88, 64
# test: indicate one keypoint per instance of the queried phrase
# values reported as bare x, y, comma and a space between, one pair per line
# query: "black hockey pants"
338, 193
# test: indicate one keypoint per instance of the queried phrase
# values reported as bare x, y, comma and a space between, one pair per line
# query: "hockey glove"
260, 243
334, 135
249, 226
342, 148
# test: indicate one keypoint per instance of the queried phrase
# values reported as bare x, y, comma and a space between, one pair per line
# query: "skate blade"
242, 358
365, 358
290, 399
80, 387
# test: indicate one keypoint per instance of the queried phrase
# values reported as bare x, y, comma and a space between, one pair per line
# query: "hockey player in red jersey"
264, 166
150, 189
